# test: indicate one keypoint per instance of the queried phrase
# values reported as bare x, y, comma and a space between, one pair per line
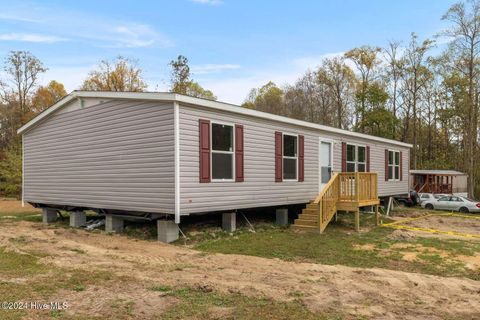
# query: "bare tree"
465, 46
22, 69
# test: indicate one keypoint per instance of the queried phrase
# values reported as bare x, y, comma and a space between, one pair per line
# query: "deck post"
377, 216
49, 215
357, 220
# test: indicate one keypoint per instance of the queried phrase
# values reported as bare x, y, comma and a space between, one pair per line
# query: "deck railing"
358, 186
351, 187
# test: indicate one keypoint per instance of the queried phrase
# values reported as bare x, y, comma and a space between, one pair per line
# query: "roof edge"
169, 96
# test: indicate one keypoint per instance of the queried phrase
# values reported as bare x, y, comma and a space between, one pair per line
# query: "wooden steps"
344, 192
308, 219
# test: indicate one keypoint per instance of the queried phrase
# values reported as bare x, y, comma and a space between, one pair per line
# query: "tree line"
402, 91
22, 98
412, 92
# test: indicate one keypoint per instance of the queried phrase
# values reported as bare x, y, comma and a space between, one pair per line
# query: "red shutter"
301, 158
239, 153
204, 142
368, 159
401, 166
278, 157
344, 157
386, 164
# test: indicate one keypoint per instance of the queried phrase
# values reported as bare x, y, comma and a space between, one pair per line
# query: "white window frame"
285, 157
222, 152
393, 165
332, 147
356, 162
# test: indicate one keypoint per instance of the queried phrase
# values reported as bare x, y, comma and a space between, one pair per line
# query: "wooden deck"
344, 192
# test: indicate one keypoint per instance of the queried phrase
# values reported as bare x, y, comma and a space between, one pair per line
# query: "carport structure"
438, 181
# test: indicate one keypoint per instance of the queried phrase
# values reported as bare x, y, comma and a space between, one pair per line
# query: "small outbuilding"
439, 181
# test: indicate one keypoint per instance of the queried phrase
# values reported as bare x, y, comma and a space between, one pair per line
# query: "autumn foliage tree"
46, 96
121, 74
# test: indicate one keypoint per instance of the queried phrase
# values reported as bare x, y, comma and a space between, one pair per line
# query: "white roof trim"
174, 97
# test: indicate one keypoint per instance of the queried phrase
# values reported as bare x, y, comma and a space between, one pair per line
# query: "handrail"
345, 186
329, 183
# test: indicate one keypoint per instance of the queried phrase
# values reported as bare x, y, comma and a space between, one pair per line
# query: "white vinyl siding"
114, 155
259, 188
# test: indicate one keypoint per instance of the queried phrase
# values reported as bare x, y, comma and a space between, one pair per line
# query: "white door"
325, 160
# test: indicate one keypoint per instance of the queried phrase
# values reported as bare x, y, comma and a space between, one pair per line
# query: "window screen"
222, 152
290, 152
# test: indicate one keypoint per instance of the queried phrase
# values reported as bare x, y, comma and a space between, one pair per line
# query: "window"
222, 152
356, 158
393, 165
290, 157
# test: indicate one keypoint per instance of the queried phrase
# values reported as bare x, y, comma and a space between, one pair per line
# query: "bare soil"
373, 293
14, 207
447, 224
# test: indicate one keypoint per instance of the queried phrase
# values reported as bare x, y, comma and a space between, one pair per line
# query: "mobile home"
164, 155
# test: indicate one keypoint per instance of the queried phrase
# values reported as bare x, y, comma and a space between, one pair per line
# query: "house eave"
182, 99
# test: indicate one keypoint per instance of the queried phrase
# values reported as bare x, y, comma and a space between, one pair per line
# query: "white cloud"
208, 2
135, 36
98, 30
213, 68
235, 89
30, 37
311, 62
71, 77
13, 17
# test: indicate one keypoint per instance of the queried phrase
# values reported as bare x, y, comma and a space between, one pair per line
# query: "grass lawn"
373, 247
25, 278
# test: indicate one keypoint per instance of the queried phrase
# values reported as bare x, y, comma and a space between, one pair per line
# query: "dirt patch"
367, 247
471, 262
10, 207
402, 235
456, 225
373, 293
115, 299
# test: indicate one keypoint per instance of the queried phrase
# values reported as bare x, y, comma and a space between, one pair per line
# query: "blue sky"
232, 45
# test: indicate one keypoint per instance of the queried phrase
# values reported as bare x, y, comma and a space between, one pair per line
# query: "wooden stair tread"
344, 191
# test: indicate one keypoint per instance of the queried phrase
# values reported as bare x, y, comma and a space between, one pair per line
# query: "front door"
325, 160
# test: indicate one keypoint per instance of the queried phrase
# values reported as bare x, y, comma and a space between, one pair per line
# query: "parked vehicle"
409, 200
453, 203
430, 196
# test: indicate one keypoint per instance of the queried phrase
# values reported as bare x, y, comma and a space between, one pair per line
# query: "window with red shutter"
278, 157
301, 158
239, 169
204, 143
368, 158
344, 157
401, 166
386, 164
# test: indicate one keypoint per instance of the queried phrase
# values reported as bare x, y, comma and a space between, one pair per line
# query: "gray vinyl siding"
259, 188
111, 155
